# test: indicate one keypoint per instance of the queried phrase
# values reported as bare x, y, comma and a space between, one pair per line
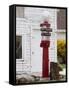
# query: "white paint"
36, 57
23, 29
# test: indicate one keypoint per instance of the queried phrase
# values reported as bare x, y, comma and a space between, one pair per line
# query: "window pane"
20, 12
61, 19
18, 47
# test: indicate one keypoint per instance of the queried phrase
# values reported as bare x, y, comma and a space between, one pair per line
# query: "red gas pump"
45, 43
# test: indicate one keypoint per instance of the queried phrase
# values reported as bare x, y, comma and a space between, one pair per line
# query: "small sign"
45, 34
46, 29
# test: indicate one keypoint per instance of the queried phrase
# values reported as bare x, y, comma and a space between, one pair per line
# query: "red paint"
45, 58
45, 23
45, 71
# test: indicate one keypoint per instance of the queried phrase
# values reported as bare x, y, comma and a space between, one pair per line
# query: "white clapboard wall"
31, 61
23, 29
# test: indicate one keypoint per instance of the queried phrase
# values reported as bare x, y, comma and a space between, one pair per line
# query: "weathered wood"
54, 71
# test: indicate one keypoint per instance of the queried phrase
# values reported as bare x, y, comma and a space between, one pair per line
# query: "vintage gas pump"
45, 44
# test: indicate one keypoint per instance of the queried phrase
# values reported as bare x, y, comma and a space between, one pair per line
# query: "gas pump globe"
45, 43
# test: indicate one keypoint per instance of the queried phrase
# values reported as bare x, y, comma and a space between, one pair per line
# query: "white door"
36, 51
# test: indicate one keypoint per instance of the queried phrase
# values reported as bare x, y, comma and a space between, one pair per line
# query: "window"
61, 19
20, 12
18, 47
